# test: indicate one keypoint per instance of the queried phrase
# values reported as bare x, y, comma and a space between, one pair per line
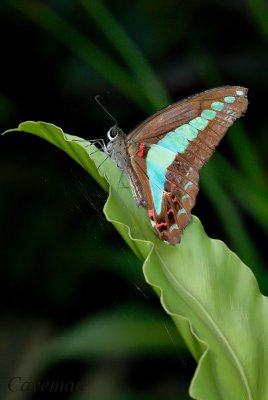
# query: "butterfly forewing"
182, 112
168, 149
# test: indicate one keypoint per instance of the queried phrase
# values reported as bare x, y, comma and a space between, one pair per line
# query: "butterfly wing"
168, 149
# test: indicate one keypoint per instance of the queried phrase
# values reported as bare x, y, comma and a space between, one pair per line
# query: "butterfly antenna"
97, 97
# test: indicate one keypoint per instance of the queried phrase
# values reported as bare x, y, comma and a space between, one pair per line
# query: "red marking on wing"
141, 151
151, 212
161, 224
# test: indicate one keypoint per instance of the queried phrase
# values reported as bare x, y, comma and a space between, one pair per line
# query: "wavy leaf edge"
158, 289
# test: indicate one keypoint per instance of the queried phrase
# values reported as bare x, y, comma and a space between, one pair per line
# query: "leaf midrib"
174, 282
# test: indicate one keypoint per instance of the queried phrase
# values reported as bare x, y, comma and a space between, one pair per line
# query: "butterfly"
163, 155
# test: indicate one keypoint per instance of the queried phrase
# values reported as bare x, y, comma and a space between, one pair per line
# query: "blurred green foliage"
57, 248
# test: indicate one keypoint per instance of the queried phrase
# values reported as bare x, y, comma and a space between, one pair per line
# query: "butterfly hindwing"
168, 149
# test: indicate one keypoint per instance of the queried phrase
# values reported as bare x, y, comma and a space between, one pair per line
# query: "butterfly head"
113, 133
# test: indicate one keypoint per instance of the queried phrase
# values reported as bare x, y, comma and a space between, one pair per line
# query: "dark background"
73, 301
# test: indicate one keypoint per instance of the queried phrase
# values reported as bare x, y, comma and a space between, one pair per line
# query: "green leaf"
95, 56
132, 56
120, 332
211, 295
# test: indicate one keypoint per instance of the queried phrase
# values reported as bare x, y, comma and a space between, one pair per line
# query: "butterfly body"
163, 155
118, 151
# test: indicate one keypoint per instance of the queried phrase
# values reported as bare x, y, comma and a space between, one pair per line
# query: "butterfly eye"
112, 133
